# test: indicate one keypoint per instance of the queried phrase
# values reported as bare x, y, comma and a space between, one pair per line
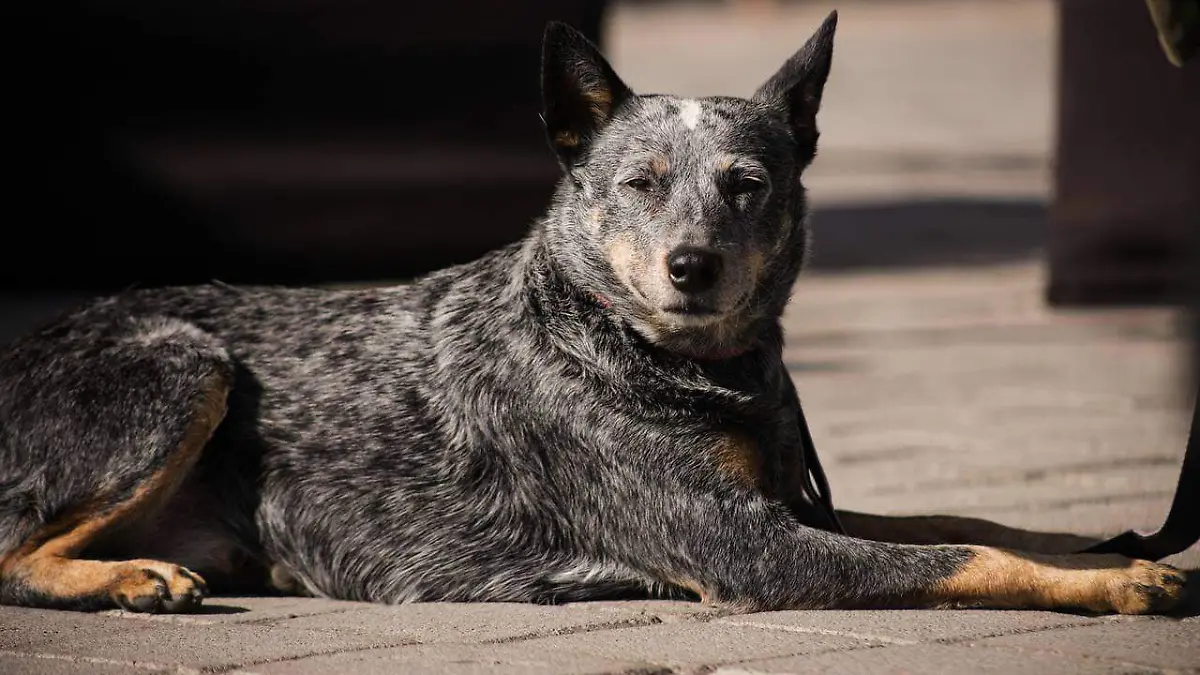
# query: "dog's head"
684, 215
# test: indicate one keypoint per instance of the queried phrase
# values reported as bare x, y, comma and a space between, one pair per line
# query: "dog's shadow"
213, 609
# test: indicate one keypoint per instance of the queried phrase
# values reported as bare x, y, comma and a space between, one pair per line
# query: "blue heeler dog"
599, 410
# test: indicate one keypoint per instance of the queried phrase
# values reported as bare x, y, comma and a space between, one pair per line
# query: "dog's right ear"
580, 91
795, 90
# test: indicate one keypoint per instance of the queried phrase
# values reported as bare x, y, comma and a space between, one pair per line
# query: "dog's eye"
744, 185
639, 184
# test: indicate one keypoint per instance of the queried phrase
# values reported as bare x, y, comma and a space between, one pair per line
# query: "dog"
599, 410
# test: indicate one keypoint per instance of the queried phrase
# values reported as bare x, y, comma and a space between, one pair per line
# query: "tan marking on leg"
1002, 579
47, 562
138, 585
738, 457
693, 586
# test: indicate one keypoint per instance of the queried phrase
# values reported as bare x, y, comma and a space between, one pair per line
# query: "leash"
814, 484
1181, 529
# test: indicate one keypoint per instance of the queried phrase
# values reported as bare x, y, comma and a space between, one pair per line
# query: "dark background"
263, 141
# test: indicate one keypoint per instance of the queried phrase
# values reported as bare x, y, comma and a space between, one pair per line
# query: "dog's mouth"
697, 312
691, 309
684, 311
691, 314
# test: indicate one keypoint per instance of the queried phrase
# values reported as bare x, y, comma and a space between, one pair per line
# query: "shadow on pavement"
927, 233
220, 609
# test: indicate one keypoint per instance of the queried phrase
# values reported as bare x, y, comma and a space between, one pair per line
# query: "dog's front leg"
749, 552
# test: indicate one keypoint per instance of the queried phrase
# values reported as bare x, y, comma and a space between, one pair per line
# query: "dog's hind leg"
100, 428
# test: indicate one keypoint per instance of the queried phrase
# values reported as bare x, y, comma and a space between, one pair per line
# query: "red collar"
602, 300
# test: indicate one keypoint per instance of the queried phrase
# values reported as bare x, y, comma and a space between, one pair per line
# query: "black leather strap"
1182, 526
814, 484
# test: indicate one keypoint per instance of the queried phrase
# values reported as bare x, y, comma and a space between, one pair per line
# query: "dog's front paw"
1146, 588
154, 587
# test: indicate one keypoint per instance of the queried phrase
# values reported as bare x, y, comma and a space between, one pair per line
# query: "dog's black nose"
693, 270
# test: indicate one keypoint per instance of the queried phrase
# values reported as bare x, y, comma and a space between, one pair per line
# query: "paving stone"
932, 659
664, 611
616, 650
120, 639
505, 659
475, 622
906, 626
1152, 642
66, 665
690, 645
249, 609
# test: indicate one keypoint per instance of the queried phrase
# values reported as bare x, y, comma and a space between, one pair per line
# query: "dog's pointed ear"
580, 90
795, 90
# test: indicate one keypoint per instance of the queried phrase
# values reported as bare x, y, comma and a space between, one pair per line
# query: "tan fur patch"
622, 257
738, 457
659, 165
67, 578
595, 214
1003, 579
693, 586
46, 561
566, 139
600, 101
282, 580
755, 261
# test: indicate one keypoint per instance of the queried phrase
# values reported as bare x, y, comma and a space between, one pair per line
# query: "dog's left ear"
580, 91
795, 91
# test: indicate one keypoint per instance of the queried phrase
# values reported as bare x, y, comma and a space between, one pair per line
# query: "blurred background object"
259, 141
1178, 25
1127, 159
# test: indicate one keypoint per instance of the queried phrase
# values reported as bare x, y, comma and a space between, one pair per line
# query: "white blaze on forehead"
689, 113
